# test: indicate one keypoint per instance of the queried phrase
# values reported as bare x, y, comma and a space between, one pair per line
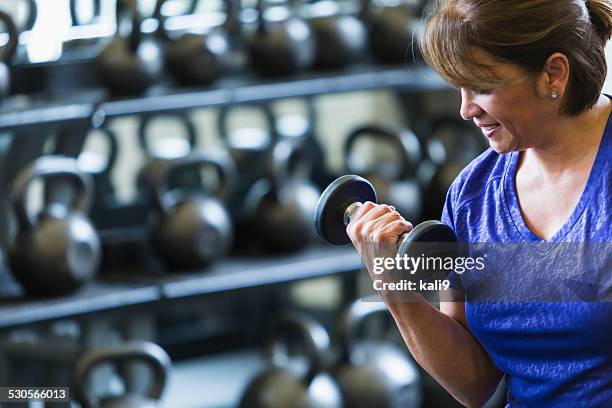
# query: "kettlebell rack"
112, 292
230, 91
28, 117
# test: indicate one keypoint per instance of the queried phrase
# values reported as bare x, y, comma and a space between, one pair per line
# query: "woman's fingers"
377, 223
391, 232
365, 210
360, 221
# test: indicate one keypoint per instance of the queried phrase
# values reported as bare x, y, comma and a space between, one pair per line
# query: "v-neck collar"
513, 207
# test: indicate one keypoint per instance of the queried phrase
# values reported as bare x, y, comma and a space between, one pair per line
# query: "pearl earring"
554, 94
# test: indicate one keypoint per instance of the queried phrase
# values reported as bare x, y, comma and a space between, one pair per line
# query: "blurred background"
161, 162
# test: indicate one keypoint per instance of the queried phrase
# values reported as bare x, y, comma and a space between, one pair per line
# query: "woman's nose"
469, 109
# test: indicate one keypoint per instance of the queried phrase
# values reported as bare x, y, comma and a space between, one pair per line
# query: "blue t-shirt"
554, 354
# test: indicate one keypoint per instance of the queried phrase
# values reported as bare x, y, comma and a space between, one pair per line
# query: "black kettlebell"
158, 150
392, 32
301, 127
121, 355
7, 53
193, 228
128, 65
168, 147
281, 48
278, 387
396, 184
99, 166
200, 59
281, 207
450, 146
58, 250
341, 39
373, 373
250, 146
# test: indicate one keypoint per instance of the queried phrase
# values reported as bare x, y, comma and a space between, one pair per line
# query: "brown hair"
524, 33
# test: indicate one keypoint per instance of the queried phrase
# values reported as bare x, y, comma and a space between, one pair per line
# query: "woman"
530, 74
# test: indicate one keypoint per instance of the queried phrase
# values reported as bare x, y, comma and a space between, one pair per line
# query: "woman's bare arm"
443, 345
439, 340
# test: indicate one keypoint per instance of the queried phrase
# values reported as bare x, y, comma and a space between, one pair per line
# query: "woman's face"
513, 117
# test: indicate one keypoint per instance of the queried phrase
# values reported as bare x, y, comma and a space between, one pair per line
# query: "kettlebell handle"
285, 155
262, 25
143, 131
113, 149
223, 123
352, 319
129, 7
161, 20
218, 159
404, 141
232, 24
7, 52
32, 15
50, 167
310, 117
151, 354
74, 15
314, 337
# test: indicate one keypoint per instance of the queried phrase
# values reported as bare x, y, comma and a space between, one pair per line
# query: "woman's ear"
553, 80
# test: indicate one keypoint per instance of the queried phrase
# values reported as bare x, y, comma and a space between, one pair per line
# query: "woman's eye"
481, 91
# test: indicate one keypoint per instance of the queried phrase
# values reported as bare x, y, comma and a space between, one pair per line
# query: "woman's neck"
575, 145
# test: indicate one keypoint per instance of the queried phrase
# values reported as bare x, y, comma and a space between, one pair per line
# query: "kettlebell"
373, 373
281, 207
250, 147
7, 53
450, 146
193, 228
99, 166
157, 151
155, 358
58, 250
170, 147
341, 39
392, 32
396, 184
128, 65
278, 387
301, 127
200, 59
281, 48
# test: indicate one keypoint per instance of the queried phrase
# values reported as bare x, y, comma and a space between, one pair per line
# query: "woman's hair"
524, 33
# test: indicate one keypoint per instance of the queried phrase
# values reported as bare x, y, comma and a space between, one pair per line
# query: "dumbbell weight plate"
428, 231
346, 190
329, 214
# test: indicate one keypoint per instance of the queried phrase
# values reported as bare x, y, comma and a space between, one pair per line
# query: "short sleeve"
448, 218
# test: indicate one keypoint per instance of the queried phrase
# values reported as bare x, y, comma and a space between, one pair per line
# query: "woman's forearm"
447, 351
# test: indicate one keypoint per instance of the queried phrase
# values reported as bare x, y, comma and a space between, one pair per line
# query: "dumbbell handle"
352, 209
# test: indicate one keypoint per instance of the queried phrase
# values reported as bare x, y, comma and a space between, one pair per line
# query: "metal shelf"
95, 297
243, 273
41, 113
252, 89
115, 291
20, 111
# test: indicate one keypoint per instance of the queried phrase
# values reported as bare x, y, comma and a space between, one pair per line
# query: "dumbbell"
345, 196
